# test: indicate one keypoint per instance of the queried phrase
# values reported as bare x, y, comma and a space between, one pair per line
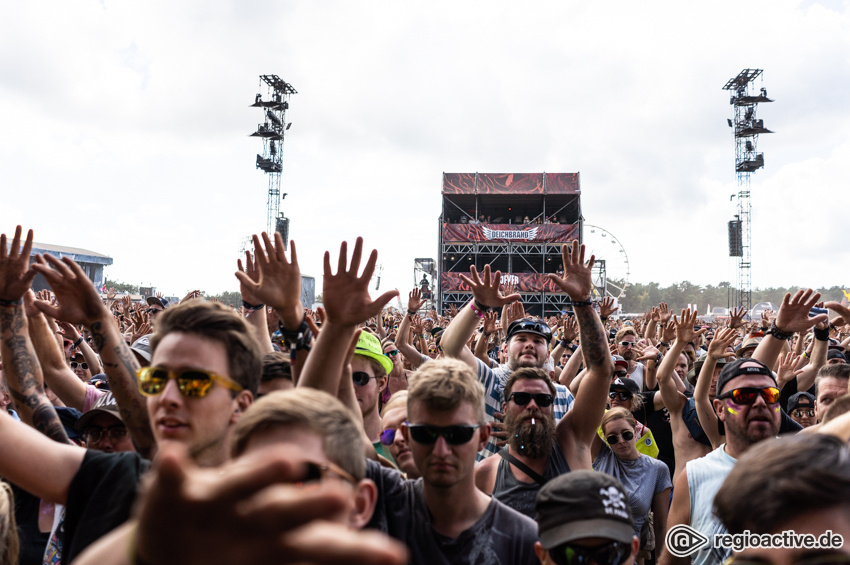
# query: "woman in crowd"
647, 480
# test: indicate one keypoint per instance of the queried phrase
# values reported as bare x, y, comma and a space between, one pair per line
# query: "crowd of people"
158, 433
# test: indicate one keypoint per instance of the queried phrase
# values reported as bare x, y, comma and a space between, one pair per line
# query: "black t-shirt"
32, 541
100, 498
501, 535
659, 422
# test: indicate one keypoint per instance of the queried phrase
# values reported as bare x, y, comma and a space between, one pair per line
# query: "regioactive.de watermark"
682, 540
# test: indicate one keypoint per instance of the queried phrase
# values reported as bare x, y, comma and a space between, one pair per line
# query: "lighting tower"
746, 129
272, 131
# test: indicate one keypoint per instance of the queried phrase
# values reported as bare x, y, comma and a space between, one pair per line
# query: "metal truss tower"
746, 129
272, 131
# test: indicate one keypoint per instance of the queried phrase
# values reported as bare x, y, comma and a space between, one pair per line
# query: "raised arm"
793, 316
716, 351
484, 337
79, 303
255, 310
402, 342
668, 381
486, 294
576, 429
347, 303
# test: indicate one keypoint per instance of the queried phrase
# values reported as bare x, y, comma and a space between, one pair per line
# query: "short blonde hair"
444, 384
397, 400
628, 330
311, 410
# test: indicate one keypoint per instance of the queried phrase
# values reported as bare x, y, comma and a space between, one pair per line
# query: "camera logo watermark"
682, 540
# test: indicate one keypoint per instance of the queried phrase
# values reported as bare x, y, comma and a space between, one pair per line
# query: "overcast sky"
125, 127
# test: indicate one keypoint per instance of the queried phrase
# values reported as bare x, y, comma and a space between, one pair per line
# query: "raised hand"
345, 295
646, 351
452, 310
414, 300
736, 317
787, 371
252, 272
77, 300
668, 332
15, 272
110, 294
685, 327
723, 339
843, 313
486, 289
793, 315
513, 312
577, 281
490, 319
279, 281
607, 308
191, 295
570, 329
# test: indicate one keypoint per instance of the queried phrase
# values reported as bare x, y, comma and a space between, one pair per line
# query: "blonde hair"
397, 400
311, 410
444, 384
618, 413
9, 543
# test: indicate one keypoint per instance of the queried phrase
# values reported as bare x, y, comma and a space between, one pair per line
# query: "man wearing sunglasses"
801, 407
370, 368
747, 406
442, 517
626, 339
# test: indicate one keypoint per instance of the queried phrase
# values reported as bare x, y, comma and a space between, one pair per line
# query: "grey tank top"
519, 495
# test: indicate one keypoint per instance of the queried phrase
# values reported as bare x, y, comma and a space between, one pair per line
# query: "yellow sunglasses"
193, 383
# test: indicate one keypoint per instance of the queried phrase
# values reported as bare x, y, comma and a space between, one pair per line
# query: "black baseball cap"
801, 399
736, 368
583, 504
626, 384
530, 326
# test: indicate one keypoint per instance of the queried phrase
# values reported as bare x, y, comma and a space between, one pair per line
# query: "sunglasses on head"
521, 326
623, 396
615, 438
84, 366
611, 553
360, 378
748, 395
542, 399
193, 383
95, 434
800, 412
628, 343
426, 434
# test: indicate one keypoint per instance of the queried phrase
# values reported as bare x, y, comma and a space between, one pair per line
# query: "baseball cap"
142, 347
736, 368
368, 345
801, 399
626, 384
693, 374
618, 360
151, 300
106, 404
836, 354
583, 504
530, 326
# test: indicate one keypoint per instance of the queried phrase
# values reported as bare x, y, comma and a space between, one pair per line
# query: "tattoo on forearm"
594, 344
46, 420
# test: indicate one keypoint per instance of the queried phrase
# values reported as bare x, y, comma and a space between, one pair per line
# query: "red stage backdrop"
524, 282
532, 233
516, 183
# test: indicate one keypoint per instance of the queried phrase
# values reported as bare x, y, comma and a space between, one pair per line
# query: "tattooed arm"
79, 303
577, 429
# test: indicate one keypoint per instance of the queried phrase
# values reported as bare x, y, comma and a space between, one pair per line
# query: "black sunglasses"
611, 553
95, 434
621, 374
619, 394
426, 434
521, 326
799, 412
361, 379
615, 438
542, 399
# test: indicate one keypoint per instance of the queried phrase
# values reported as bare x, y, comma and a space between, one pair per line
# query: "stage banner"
458, 183
562, 183
536, 233
517, 183
523, 282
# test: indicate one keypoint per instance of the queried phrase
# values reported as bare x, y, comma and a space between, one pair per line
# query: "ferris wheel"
611, 273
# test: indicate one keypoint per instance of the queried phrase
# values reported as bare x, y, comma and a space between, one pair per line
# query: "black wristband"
412, 313
778, 333
252, 307
481, 308
78, 342
17, 302
587, 302
821, 335
296, 339
564, 343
